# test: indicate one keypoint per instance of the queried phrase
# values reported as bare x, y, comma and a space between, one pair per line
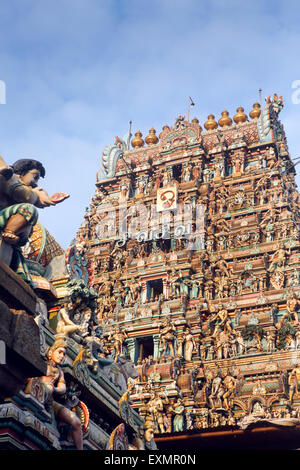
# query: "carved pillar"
165, 288
144, 291
173, 243
156, 343
132, 348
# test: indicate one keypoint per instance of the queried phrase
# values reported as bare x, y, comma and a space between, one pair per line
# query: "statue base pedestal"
20, 347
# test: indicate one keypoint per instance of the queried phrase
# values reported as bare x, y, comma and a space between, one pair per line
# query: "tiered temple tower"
192, 239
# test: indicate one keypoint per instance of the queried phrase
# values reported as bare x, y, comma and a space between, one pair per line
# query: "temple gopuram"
171, 322
59, 388
192, 245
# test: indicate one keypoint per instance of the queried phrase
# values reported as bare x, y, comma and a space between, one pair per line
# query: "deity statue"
155, 408
54, 384
167, 337
292, 306
294, 279
135, 290
166, 179
241, 346
221, 267
175, 284
230, 385
202, 351
270, 341
216, 392
197, 173
19, 198
190, 345
118, 340
222, 225
270, 216
97, 347
195, 285
238, 164
294, 382
65, 326
207, 175
259, 388
273, 312
106, 287
178, 410
158, 180
218, 346
187, 173
258, 409
279, 258
222, 320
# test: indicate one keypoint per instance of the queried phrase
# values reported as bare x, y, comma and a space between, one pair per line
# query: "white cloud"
76, 72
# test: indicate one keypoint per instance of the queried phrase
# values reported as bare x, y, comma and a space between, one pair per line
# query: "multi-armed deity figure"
222, 322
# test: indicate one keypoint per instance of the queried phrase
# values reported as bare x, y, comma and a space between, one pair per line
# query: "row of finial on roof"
224, 121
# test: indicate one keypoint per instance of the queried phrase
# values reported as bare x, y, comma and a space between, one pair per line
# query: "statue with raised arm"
19, 198
279, 258
65, 325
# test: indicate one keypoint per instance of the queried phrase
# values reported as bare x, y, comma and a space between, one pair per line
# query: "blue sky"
77, 71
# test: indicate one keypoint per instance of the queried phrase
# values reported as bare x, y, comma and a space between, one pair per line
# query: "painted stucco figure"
19, 198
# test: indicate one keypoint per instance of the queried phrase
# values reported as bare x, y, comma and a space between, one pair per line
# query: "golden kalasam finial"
210, 124
255, 112
240, 116
151, 138
225, 120
137, 141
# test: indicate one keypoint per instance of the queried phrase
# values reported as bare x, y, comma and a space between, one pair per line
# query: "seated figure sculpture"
19, 198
